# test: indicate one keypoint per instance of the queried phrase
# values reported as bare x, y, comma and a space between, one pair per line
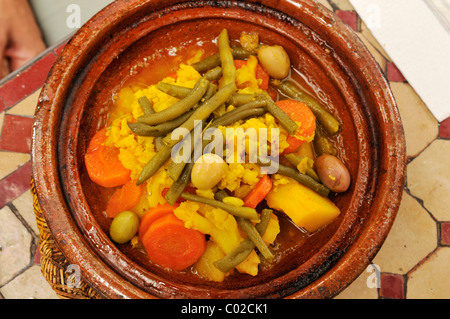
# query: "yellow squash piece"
306, 208
205, 265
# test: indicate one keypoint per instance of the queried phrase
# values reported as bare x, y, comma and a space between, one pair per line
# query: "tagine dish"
217, 150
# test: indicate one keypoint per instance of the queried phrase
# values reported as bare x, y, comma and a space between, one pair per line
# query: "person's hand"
20, 36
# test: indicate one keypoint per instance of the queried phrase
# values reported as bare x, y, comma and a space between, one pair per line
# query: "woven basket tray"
54, 264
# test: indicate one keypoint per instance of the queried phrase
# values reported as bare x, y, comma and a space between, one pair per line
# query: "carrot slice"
124, 199
302, 114
260, 191
103, 164
169, 244
260, 74
153, 214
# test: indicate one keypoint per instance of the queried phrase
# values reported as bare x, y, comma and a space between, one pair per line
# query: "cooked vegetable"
221, 226
251, 109
124, 227
178, 108
303, 164
275, 61
169, 244
205, 265
231, 200
244, 212
255, 237
303, 179
258, 193
103, 164
300, 113
124, 198
285, 120
180, 92
306, 208
241, 252
214, 60
146, 105
226, 59
333, 173
159, 130
329, 122
238, 99
207, 171
322, 145
180, 184
153, 214
158, 160
261, 75
249, 41
204, 111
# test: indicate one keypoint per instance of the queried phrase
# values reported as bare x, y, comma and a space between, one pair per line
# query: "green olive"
275, 61
124, 227
208, 170
333, 173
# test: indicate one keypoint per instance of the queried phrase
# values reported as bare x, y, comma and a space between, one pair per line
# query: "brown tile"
16, 134
444, 128
392, 286
445, 234
429, 179
349, 17
28, 81
15, 184
393, 73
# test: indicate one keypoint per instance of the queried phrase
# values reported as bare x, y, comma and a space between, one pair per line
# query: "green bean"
178, 108
322, 145
213, 74
180, 92
241, 252
205, 110
226, 59
248, 228
146, 105
244, 212
232, 117
239, 53
212, 89
207, 64
329, 122
302, 179
155, 163
220, 195
159, 143
213, 61
285, 120
175, 169
295, 160
239, 99
162, 129
179, 185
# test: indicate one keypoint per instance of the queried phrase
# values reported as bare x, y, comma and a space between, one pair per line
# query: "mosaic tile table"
413, 263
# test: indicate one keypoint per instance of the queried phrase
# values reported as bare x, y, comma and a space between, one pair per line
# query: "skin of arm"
20, 35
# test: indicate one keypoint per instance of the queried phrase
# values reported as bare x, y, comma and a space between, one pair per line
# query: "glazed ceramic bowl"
131, 34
